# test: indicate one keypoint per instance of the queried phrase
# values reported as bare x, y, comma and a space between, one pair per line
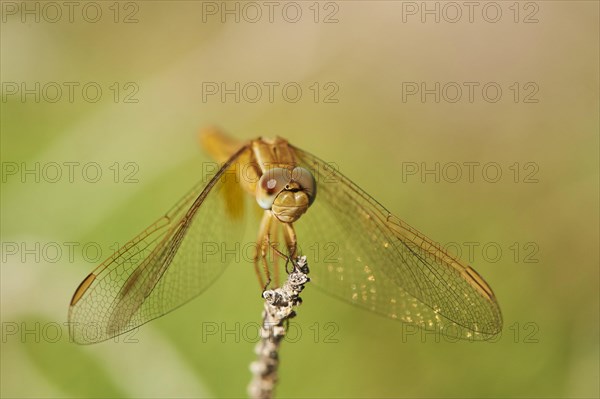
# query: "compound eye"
306, 181
271, 183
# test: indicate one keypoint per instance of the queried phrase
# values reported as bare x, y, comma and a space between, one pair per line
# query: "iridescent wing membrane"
372, 259
164, 266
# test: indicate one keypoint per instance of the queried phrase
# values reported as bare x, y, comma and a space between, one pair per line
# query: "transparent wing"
169, 263
370, 258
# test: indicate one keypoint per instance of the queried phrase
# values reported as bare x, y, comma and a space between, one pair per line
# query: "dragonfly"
374, 260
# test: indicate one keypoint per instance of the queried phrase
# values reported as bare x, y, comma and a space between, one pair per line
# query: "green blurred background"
544, 220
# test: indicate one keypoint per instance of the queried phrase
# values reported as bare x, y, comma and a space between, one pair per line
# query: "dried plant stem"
278, 308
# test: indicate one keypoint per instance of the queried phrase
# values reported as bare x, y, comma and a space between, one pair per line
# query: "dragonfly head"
286, 192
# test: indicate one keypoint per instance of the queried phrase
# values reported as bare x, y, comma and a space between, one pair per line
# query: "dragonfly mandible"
380, 263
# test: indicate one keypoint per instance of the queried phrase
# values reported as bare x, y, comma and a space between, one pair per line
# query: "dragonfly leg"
262, 244
273, 244
289, 234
